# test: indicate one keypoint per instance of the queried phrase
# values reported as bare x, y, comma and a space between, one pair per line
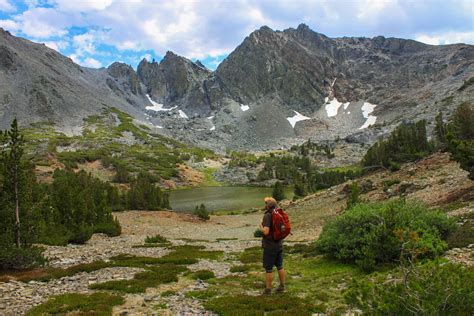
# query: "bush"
111, 228
201, 212
431, 289
277, 192
12, 258
203, 275
86, 304
81, 234
374, 233
157, 239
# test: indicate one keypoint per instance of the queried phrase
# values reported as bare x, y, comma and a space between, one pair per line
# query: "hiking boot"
267, 292
280, 288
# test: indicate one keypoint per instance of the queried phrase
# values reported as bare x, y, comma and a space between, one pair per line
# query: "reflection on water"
220, 198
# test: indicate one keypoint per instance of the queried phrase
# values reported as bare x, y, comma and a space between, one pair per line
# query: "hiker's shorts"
272, 257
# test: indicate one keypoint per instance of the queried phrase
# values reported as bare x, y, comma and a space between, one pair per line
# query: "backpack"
281, 226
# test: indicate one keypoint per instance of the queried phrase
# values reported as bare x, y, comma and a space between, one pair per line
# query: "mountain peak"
303, 28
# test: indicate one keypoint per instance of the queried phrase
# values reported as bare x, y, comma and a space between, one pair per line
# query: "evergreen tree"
278, 193
460, 136
353, 195
14, 175
440, 128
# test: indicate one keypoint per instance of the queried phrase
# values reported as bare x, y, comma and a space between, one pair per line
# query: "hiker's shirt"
267, 241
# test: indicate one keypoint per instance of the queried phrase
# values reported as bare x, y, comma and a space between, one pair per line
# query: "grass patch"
45, 275
466, 84
152, 245
208, 180
243, 268
93, 304
201, 295
306, 250
203, 275
251, 255
261, 305
463, 236
157, 239
168, 293
153, 277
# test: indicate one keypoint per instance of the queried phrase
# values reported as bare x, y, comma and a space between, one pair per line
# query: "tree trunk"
17, 208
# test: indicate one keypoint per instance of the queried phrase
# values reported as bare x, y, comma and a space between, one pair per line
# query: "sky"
96, 33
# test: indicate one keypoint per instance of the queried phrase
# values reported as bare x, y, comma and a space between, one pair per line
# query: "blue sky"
95, 33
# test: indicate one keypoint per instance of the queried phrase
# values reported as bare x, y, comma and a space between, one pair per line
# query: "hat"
270, 201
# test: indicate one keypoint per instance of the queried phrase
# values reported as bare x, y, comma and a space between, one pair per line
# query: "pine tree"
14, 176
278, 193
460, 136
440, 128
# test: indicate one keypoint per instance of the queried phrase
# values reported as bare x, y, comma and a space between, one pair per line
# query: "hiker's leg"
268, 279
281, 276
268, 260
279, 265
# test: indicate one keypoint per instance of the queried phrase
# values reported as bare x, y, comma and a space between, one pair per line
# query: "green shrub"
201, 212
203, 275
463, 236
81, 234
353, 199
153, 277
93, 304
111, 228
12, 258
251, 255
373, 233
257, 305
157, 239
278, 193
430, 289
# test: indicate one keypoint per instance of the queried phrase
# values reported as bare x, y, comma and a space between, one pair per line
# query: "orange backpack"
280, 224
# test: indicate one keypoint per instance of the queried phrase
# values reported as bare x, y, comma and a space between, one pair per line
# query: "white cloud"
85, 43
57, 45
446, 38
82, 5
212, 28
6, 6
10, 25
87, 62
91, 62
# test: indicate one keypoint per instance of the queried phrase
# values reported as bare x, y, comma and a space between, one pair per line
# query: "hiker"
272, 244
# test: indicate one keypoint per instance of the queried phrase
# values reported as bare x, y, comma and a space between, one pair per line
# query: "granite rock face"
328, 86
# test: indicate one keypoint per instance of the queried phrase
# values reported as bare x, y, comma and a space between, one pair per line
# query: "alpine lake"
222, 198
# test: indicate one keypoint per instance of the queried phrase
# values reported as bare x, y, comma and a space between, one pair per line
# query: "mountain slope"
276, 89
39, 84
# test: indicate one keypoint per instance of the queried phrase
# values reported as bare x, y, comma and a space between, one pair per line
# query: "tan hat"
271, 202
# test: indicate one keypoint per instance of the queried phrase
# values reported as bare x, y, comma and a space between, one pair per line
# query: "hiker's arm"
266, 230
265, 225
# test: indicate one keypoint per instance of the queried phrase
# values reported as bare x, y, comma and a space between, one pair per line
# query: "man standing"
272, 249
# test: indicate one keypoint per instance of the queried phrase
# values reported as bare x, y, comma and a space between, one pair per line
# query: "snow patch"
244, 107
213, 126
367, 109
156, 106
182, 114
346, 105
332, 107
296, 118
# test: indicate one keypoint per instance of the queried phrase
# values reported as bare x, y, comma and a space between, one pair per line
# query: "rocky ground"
434, 180
18, 297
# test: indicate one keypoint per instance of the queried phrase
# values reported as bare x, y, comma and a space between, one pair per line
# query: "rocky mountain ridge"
275, 89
